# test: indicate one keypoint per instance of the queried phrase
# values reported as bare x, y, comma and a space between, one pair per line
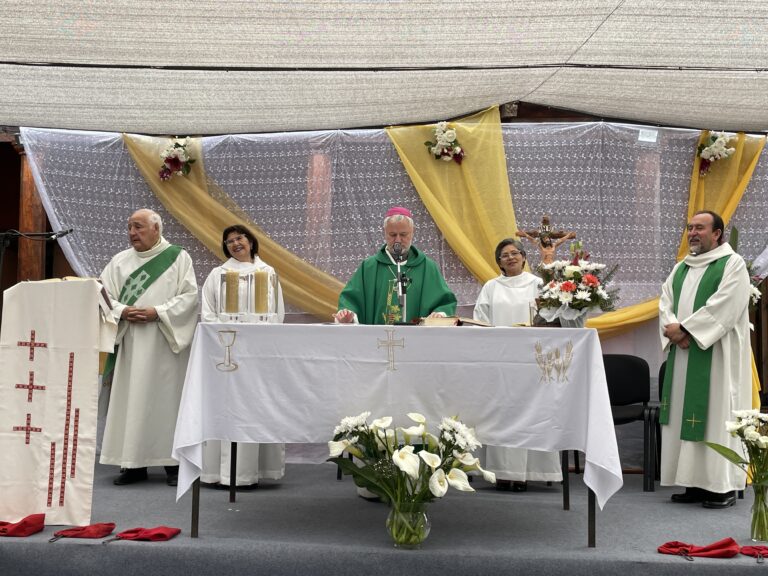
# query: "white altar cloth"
539, 388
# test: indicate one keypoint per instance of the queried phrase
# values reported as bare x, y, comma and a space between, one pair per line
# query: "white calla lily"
416, 417
458, 479
432, 460
407, 461
438, 484
414, 430
466, 459
384, 422
336, 448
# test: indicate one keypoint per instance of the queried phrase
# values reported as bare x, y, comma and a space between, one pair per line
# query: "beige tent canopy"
225, 66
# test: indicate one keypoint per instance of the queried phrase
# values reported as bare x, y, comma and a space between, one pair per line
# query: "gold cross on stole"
693, 420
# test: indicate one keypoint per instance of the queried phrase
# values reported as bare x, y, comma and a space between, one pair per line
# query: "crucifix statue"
546, 239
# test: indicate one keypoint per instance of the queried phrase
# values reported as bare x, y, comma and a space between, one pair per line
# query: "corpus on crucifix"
546, 239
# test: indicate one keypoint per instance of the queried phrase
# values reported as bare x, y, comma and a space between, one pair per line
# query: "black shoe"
519, 486
690, 496
505, 485
717, 501
131, 476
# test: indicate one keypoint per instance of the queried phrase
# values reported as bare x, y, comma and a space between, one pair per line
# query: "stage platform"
310, 523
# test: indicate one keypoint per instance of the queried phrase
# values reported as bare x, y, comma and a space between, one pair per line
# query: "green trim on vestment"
698, 369
369, 292
138, 282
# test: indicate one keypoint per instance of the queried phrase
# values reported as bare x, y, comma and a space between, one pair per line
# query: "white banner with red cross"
50, 340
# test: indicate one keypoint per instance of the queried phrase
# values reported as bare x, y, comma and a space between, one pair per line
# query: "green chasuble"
371, 292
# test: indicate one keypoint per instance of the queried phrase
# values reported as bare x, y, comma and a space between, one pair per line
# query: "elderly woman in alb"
506, 301
254, 461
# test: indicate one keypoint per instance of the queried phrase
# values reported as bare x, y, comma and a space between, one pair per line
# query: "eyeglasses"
507, 255
231, 241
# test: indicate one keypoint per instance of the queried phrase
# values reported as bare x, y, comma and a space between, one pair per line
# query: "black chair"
662, 370
629, 389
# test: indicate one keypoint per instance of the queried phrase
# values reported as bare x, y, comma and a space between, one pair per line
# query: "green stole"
138, 282
697, 376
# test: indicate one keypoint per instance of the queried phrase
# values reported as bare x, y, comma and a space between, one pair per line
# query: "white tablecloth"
540, 388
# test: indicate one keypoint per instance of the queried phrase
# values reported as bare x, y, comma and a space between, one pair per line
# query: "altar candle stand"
261, 292
232, 283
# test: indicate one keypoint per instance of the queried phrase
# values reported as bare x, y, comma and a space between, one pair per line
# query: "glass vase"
759, 531
408, 524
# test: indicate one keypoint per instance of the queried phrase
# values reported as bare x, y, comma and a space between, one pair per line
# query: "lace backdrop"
623, 189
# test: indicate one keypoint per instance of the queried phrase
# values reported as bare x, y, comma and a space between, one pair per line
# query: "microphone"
397, 251
61, 233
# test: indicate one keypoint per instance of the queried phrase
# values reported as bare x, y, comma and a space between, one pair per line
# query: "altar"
538, 388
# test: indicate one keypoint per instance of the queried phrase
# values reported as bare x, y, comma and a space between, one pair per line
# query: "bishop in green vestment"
371, 295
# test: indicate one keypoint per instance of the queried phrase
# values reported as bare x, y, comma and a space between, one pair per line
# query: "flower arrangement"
407, 466
751, 426
715, 149
445, 147
573, 287
176, 160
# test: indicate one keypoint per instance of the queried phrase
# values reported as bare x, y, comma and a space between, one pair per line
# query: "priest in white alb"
704, 323
154, 296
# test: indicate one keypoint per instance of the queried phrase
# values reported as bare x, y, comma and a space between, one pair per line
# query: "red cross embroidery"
30, 386
32, 345
27, 429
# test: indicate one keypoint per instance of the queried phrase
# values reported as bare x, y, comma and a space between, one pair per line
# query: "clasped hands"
677, 336
139, 315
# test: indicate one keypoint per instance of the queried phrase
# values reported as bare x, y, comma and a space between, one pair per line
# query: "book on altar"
452, 321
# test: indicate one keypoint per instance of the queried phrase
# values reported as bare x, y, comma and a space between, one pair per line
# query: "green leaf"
364, 476
728, 454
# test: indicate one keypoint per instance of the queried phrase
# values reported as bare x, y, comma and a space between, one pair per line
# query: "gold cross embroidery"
693, 420
390, 344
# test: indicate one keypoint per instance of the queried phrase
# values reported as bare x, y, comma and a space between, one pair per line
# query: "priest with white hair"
154, 298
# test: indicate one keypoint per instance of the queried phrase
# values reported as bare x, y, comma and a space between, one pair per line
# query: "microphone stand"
5, 242
402, 288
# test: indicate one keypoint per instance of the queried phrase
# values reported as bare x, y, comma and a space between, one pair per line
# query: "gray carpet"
310, 523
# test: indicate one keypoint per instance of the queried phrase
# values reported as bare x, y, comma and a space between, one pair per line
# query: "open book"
451, 321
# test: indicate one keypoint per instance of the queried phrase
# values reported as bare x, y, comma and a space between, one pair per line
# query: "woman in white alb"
506, 301
254, 461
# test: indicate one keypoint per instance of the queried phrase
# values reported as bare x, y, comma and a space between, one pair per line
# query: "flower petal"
438, 484
416, 417
407, 461
432, 460
384, 422
414, 430
458, 479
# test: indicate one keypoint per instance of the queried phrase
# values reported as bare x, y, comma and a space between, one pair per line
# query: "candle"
261, 291
232, 282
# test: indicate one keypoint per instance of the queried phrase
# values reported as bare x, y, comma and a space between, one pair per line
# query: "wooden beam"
31, 219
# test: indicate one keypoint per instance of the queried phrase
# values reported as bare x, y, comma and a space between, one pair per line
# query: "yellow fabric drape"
188, 200
470, 203
624, 319
721, 190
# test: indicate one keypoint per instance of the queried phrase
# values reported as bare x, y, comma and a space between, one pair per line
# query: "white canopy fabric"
226, 66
